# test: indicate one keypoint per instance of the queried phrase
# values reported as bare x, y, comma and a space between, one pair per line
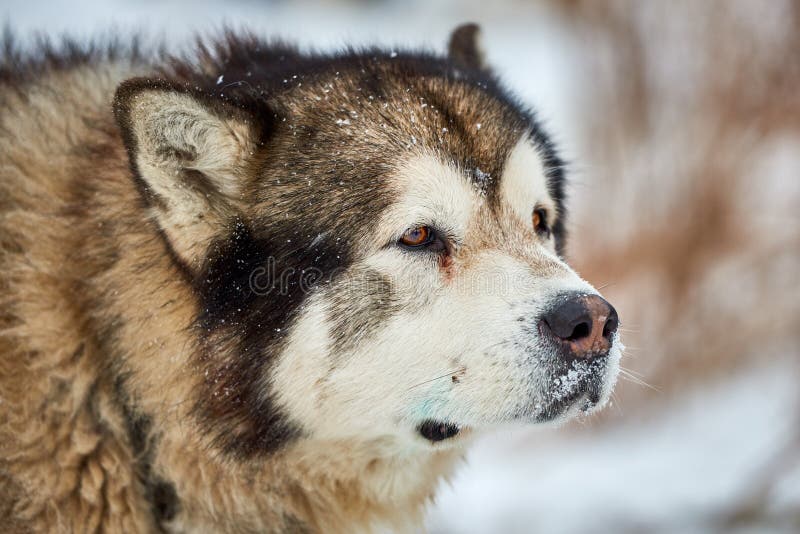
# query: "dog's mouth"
577, 387
581, 386
435, 431
585, 399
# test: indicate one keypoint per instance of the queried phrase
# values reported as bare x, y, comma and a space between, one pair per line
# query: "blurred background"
681, 123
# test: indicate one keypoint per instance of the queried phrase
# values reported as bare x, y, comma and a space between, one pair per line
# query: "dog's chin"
577, 403
579, 391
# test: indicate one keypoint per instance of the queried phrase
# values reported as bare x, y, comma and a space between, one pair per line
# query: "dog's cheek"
299, 379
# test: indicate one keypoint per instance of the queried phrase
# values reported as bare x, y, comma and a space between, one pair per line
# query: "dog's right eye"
421, 237
416, 237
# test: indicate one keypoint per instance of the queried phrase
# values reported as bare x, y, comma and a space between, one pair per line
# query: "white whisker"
630, 377
445, 375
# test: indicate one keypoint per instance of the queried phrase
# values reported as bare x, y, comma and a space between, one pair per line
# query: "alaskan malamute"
259, 290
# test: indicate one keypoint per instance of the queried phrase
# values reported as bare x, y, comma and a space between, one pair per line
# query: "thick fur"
206, 322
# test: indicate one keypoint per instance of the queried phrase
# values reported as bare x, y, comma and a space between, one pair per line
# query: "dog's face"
441, 320
375, 248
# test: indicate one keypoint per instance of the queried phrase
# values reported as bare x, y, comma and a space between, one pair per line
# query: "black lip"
435, 431
557, 408
588, 391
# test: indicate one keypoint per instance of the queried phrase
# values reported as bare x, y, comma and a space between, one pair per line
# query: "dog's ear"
465, 47
190, 153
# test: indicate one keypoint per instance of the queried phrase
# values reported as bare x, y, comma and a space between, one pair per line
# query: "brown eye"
540, 221
417, 237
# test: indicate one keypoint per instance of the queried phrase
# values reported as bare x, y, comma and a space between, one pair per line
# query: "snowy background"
681, 121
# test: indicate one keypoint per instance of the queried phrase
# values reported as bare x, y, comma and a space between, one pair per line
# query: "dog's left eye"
421, 237
540, 223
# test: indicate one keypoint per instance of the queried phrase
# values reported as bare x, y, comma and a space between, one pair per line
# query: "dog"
253, 289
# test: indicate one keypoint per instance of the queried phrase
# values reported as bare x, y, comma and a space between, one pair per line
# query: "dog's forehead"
429, 148
387, 110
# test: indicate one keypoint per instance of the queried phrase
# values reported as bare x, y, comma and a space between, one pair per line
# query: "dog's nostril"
612, 323
581, 330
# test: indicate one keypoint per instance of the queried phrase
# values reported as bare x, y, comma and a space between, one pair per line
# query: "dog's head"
375, 244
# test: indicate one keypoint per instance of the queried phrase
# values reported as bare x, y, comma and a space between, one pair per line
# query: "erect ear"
465, 47
191, 153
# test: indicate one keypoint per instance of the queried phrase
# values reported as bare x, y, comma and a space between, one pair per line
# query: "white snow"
567, 384
679, 468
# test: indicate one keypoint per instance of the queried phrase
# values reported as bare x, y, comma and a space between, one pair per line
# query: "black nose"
583, 325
